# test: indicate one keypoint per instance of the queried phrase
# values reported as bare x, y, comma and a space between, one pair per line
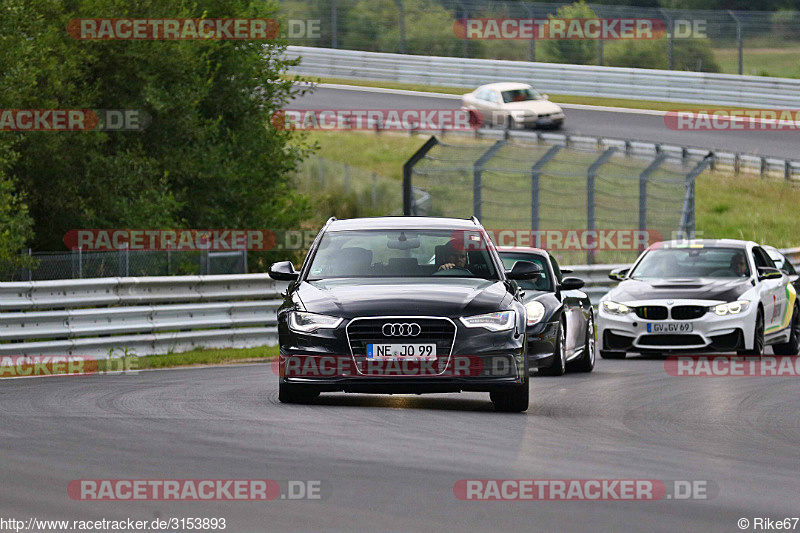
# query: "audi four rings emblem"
401, 330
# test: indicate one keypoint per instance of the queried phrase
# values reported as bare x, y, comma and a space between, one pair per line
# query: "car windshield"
520, 95
400, 254
541, 282
692, 263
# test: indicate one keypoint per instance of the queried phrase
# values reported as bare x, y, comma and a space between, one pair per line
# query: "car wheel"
586, 361
793, 346
758, 337
612, 355
559, 364
512, 399
289, 393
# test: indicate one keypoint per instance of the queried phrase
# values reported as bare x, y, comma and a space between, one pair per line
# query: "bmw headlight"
303, 322
616, 308
500, 321
730, 308
535, 312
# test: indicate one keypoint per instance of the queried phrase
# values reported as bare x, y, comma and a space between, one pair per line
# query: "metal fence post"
374, 189
401, 21
643, 177
334, 25
687, 213
738, 39
591, 174
477, 178
409, 209
536, 172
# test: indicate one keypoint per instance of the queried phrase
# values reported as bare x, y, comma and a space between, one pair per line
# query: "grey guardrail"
105, 317
143, 316
578, 80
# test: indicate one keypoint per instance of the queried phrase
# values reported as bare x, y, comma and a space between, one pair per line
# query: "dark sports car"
368, 312
560, 317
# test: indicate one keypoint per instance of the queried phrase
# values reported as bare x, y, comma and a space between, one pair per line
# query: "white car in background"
512, 105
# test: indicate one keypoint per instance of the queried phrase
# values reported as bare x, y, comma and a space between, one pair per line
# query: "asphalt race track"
642, 126
389, 463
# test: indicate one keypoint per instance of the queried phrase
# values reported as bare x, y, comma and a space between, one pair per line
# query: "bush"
688, 54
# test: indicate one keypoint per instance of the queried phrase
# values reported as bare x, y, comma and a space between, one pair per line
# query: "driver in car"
454, 258
739, 265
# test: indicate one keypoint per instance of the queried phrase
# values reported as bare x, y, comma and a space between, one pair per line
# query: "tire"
612, 355
758, 337
289, 393
586, 361
793, 346
512, 399
559, 364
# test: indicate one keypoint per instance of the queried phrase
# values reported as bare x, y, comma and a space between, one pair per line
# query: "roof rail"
476, 221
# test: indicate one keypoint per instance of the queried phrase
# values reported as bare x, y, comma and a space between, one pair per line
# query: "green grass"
740, 207
192, 358
778, 62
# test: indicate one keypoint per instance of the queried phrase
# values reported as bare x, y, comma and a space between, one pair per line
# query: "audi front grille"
398, 330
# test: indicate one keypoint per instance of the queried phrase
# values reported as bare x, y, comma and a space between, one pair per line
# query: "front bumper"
542, 343
710, 332
477, 360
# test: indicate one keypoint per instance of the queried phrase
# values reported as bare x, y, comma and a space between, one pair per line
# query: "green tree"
208, 159
573, 51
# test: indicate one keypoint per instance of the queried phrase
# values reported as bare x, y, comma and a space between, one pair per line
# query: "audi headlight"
501, 321
302, 322
535, 312
730, 308
616, 308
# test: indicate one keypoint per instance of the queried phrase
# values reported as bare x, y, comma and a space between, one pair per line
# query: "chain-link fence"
585, 203
81, 264
743, 42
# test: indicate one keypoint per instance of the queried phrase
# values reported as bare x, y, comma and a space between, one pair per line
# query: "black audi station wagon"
403, 305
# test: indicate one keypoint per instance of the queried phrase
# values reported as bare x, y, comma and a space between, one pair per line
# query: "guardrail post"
536, 172
787, 170
737, 163
477, 177
763, 167
687, 213
591, 174
408, 172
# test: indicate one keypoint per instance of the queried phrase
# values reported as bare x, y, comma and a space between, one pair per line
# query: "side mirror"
524, 270
283, 271
571, 284
618, 274
769, 273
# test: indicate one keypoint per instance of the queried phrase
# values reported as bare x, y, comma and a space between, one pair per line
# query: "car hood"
450, 297
539, 107
726, 289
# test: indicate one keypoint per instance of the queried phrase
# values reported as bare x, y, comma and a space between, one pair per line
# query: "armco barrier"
143, 316
172, 314
577, 80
